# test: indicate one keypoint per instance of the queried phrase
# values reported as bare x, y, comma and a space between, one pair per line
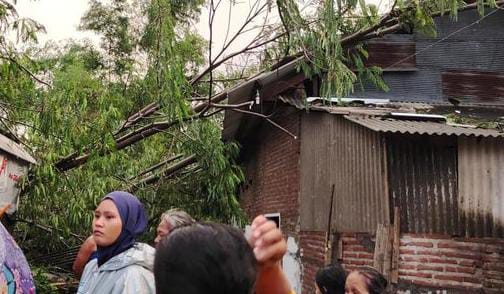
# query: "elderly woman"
170, 220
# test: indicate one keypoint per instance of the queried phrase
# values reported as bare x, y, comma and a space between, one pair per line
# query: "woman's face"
107, 224
356, 284
163, 229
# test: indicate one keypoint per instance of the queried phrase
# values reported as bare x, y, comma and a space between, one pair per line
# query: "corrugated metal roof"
390, 125
15, 149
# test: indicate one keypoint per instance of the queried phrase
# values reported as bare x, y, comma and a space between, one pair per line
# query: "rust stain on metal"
481, 187
423, 182
474, 86
385, 54
336, 151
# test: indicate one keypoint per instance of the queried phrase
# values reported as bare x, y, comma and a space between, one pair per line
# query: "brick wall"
471, 264
272, 173
356, 253
312, 244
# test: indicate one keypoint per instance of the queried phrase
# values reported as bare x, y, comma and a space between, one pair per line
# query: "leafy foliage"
76, 98
91, 92
331, 39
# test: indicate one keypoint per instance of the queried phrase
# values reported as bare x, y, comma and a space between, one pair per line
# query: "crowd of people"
193, 257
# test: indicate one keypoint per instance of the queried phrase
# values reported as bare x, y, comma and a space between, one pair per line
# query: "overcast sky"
62, 17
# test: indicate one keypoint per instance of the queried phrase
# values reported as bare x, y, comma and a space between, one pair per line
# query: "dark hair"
331, 279
375, 281
205, 258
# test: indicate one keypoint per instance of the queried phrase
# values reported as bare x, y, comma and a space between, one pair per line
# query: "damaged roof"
11, 147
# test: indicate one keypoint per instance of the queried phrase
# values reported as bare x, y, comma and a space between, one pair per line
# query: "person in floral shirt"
15, 274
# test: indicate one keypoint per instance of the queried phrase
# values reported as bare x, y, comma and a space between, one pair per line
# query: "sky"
62, 17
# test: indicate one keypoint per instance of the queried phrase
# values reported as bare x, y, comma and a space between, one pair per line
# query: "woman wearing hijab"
122, 265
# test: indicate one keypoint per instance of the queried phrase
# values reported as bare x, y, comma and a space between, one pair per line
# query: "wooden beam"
394, 273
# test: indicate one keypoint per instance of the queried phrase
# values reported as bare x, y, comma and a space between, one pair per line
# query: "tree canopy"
143, 112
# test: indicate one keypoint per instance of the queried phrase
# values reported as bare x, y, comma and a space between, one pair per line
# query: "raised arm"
269, 248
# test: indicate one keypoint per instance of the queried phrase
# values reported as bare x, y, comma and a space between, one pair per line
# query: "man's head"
205, 258
331, 279
170, 220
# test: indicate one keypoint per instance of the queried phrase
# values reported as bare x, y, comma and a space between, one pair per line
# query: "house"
392, 154
14, 164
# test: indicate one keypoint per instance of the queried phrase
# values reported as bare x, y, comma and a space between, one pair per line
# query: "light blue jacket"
127, 272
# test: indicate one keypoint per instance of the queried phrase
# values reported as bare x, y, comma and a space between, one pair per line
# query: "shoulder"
144, 248
135, 279
86, 281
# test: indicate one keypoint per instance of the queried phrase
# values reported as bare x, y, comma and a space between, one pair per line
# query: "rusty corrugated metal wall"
481, 187
336, 151
423, 182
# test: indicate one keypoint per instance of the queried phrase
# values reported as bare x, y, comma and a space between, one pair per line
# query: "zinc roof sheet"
15, 149
390, 125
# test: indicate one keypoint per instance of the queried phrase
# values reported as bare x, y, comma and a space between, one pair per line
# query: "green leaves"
92, 93
27, 29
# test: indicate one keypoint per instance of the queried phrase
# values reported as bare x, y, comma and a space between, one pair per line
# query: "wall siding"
476, 48
423, 182
473, 86
336, 151
481, 187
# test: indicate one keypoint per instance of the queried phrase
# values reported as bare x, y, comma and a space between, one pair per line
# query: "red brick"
406, 251
442, 260
426, 267
347, 241
458, 246
349, 235
414, 259
449, 278
418, 244
468, 263
427, 236
358, 262
407, 266
428, 252
462, 255
428, 283
355, 248
472, 280
350, 267
366, 255
350, 255
415, 274
465, 270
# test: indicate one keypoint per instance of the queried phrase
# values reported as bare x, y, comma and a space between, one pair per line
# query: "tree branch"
156, 166
23, 68
171, 170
